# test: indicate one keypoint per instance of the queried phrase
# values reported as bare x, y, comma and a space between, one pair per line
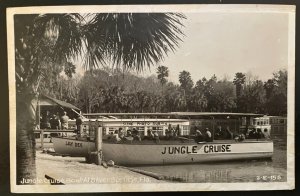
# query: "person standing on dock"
55, 122
78, 124
64, 121
45, 121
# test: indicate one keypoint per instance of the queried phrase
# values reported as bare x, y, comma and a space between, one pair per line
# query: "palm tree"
238, 81
162, 74
186, 84
45, 42
186, 81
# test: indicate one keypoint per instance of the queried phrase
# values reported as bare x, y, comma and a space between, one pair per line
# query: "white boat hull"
158, 154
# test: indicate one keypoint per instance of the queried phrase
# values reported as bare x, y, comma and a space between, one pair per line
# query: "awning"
60, 103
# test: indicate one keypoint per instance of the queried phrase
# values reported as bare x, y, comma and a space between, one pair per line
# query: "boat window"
275, 129
158, 129
185, 130
244, 120
281, 121
254, 121
251, 121
141, 130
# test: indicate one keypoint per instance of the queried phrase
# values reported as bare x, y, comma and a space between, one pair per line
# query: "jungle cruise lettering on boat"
180, 150
193, 149
217, 148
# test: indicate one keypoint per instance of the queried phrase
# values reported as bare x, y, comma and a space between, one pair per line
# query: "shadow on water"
264, 170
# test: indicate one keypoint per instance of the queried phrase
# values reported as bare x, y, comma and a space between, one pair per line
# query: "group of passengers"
171, 133
131, 135
253, 134
257, 134
54, 121
199, 136
122, 135
223, 134
203, 137
219, 134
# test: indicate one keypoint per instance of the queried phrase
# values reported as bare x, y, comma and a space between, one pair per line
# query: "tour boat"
167, 151
149, 152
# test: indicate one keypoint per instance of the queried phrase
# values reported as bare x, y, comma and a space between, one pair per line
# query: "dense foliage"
115, 91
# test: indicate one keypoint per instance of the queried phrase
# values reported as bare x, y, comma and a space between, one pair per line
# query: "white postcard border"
290, 184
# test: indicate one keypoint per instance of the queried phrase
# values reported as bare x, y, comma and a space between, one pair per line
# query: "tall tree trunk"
26, 112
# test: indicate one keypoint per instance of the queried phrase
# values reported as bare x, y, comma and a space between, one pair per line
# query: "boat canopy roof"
186, 114
215, 114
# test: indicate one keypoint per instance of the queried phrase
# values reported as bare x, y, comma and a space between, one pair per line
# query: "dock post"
42, 139
81, 130
99, 145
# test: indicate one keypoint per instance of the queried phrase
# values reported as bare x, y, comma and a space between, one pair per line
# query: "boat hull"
159, 154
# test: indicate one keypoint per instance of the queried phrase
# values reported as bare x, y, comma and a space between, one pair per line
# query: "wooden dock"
74, 170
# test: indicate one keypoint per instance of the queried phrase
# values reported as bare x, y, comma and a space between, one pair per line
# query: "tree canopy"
102, 91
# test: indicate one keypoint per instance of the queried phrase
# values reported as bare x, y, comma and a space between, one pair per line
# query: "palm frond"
132, 40
60, 33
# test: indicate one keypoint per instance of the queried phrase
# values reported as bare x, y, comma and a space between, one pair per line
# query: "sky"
226, 43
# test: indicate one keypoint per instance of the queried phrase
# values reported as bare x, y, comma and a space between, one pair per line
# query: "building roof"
61, 103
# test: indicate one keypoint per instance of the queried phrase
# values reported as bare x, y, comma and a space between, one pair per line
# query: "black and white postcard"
133, 98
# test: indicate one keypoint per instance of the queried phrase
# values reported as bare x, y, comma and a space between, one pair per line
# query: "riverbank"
74, 170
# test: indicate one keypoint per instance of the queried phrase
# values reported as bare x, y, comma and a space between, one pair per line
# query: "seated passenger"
266, 134
199, 136
109, 136
248, 133
253, 134
121, 134
208, 137
219, 134
136, 135
173, 133
239, 138
115, 137
229, 134
150, 135
168, 134
156, 136
129, 134
259, 134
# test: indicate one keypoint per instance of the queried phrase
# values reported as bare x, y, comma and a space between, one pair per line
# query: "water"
242, 171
